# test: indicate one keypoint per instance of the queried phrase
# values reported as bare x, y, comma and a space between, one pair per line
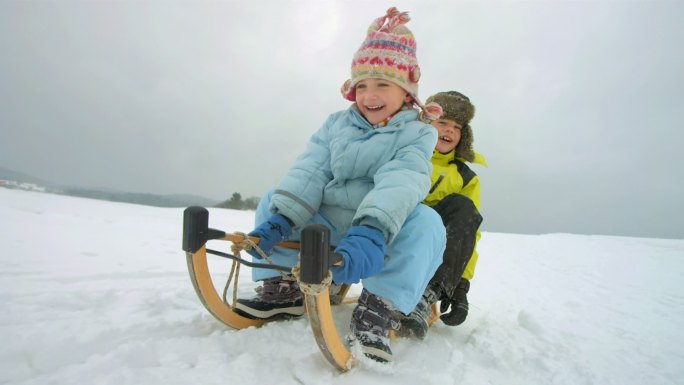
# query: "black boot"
277, 298
416, 323
371, 323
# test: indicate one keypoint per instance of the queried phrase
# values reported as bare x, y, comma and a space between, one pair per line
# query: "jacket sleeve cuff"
372, 222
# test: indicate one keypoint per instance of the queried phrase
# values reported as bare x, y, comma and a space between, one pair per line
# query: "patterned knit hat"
457, 107
388, 52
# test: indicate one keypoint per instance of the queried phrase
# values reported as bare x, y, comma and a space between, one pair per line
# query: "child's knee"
457, 208
424, 220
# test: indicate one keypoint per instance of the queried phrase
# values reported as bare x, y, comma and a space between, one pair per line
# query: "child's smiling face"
448, 135
378, 99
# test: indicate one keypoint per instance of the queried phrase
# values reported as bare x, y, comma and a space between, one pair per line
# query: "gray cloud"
578, 102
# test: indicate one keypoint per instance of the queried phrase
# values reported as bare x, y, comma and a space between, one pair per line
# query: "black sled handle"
315, 254
196, 231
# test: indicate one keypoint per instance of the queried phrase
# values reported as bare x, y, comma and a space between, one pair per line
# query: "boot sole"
269, 315
377, 354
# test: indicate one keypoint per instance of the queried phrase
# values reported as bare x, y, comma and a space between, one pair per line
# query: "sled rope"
246, 244
234, 271
312, 288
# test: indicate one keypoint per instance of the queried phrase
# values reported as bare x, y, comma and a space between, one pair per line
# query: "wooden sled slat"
318, 306
206, 291
325, 332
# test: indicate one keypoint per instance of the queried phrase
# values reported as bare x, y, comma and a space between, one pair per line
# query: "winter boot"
277, 298
416, 323
371, 323
337, 293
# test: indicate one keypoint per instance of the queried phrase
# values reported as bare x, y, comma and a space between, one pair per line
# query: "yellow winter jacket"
455, 177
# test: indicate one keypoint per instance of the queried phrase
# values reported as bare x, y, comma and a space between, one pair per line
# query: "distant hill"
171, 200
175, 200
8, 174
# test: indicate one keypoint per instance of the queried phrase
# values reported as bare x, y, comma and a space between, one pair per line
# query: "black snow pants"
461, 220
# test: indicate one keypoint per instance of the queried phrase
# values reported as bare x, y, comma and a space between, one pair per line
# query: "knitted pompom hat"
388, 52
457, 107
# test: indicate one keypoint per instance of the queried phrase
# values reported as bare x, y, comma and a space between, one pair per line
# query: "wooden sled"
313, 274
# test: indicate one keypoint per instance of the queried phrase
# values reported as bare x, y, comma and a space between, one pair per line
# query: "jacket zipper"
437, 182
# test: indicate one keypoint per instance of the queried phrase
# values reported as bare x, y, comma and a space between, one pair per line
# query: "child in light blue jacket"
364, 175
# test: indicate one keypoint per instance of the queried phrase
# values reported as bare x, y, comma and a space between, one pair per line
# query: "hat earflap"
464, 148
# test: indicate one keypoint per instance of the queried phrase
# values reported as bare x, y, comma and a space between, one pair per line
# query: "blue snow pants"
411, 260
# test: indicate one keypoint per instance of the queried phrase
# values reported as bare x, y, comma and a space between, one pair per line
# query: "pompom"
414, 73
347, 91
399, 19
394, 19
403, 18
392, 12
433, 111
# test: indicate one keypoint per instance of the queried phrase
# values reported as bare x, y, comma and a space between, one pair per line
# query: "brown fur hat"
457, 107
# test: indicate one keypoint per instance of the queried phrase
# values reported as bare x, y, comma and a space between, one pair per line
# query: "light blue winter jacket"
354, 174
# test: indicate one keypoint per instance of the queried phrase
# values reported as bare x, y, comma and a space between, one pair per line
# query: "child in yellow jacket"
455, 195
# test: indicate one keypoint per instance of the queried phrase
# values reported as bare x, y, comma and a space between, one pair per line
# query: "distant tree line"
236, 202
127, 197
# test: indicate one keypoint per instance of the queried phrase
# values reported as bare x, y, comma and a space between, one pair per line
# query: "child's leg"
411, 260
277, 297
461, 220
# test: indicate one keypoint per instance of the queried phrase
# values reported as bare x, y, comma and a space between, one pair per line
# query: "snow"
98, 292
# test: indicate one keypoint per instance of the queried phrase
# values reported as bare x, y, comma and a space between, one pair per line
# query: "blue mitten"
363, 250
271, 232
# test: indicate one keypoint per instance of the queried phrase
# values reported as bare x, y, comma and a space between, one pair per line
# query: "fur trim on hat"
457, 107
464, 148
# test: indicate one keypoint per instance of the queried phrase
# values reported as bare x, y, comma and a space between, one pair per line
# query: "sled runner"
312, 273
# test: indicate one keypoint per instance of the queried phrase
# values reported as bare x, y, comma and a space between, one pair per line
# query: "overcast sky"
579, 104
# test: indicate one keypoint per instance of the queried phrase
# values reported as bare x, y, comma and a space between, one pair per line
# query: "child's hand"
271, 232
363, 250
